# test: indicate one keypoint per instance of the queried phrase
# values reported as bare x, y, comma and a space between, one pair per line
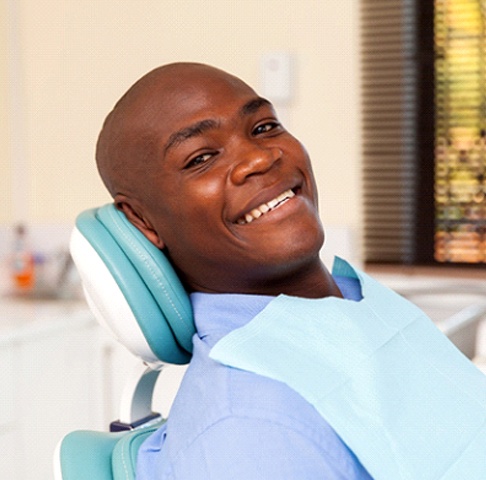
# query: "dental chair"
133, 291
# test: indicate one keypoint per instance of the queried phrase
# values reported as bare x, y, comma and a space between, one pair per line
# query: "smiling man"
295, 373
201, 165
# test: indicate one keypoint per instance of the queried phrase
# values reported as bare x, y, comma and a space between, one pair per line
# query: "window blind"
389, 81
424, 131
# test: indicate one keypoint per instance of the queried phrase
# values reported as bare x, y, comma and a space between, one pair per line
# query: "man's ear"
139, 221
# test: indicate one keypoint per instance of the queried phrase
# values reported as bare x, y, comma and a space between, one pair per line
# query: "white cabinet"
59, 372
9, 435
53, 379
57, 386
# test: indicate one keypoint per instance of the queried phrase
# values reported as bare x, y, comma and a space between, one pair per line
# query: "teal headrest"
153, 292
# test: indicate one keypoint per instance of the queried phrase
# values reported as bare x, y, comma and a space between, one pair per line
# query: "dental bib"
394, 388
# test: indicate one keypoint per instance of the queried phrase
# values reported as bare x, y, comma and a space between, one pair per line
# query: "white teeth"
272, 203
265, 207
256, 213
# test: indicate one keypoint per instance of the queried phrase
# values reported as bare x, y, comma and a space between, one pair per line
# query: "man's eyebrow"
200, 127
191, 131
254, 105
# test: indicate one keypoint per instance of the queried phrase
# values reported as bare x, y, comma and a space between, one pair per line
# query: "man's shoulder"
224, 410
212, 394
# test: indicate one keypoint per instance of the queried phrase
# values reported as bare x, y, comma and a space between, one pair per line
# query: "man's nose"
254, 160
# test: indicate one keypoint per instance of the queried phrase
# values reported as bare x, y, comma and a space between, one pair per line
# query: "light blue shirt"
230, 424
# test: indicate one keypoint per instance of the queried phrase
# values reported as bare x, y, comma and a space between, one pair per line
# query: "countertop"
21, 317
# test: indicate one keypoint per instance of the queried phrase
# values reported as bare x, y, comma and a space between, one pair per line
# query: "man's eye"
265, 127
200, 159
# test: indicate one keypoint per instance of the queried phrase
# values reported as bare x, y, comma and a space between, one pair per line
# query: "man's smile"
266, 207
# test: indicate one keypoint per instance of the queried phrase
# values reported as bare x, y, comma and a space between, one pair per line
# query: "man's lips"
266, 207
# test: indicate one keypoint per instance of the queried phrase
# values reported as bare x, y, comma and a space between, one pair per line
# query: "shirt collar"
217, 314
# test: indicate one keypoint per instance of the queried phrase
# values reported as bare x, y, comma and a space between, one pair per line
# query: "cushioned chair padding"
102, 456
147, 280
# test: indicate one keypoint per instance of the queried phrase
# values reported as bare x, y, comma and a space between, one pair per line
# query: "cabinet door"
7, 385
58, 392
11, 460
10, 450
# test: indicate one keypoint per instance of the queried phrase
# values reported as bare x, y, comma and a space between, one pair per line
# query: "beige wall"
76, 57
5, 163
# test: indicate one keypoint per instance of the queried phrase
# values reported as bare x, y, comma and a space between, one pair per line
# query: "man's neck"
313, 281
310, 280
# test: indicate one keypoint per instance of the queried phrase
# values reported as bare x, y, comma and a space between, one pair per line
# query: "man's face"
231, 195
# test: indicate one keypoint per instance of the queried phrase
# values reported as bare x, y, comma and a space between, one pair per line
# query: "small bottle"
22, 263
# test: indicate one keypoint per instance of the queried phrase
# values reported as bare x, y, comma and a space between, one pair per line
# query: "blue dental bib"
395, 389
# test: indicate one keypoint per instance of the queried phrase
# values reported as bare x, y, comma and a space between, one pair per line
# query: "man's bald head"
128, 143
201, 165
